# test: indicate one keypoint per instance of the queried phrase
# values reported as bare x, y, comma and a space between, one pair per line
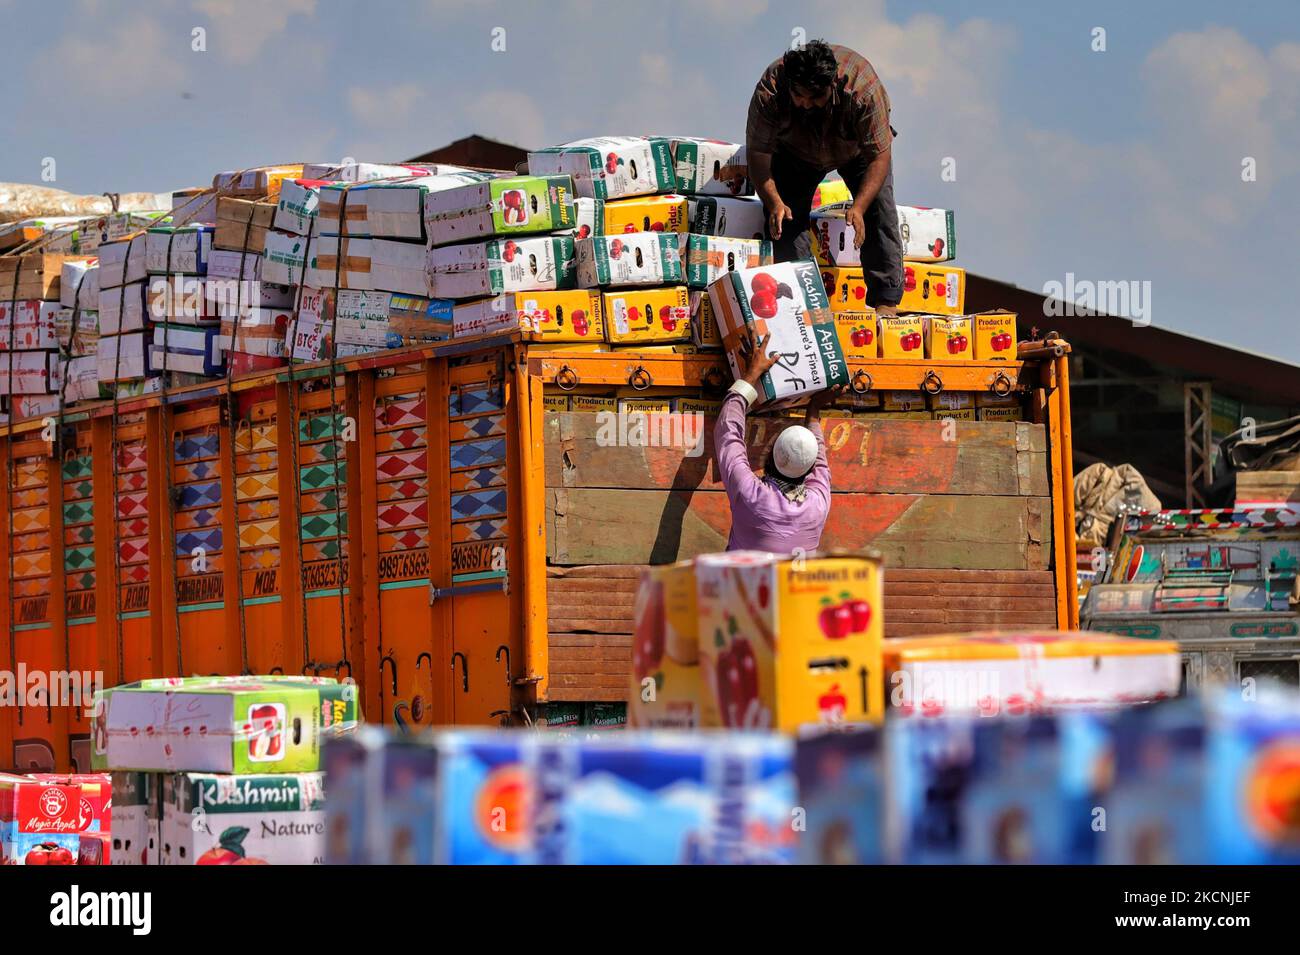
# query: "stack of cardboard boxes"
30, 364
219, 770
617, 242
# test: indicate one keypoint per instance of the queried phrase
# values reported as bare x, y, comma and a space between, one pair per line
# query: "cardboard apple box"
995, 335
638, 214
709, 256
652, 315
514, 205
739, 217
609, 167
927, 235
524, 264
710, 167
902, 336
787, 302
949, 338
634, 258
296, 209
858, 334
541, 316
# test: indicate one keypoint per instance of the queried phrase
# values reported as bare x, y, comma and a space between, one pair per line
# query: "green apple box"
788, 302
610, 167
221, 725
708, 257
525, 264
630, 258
516, 205
265, 819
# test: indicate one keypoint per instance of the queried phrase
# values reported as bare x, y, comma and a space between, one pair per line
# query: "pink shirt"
762, 518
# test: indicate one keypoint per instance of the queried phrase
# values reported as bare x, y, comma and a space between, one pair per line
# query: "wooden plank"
590, 624
1272, 486
906, 590
947, 575
985, 619
645, 526
882, 457
612, 571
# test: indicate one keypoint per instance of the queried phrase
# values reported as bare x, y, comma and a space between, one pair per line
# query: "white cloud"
387, 107
135, 57
243, 27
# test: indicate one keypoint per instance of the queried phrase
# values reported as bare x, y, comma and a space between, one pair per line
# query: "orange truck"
438, 524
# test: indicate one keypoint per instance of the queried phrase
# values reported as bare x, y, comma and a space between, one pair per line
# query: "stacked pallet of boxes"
78, 330
125, 331
220, 770
362, 231
931, 322
30, 367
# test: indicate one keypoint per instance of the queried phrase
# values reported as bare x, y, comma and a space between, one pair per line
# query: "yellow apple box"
995, 336
647, 315
857, 334
789, 642
901, 336
950, 338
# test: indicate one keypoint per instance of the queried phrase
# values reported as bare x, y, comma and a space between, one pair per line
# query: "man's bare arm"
869, 188
760, 173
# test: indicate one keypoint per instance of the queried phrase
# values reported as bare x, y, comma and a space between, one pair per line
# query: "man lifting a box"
821, 108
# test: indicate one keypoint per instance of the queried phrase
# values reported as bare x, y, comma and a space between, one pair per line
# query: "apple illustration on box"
909, 279
1001, 341
832, 705
512, 207
579, 321
584, 230
764, 293
508, 251
616, 248
861, 337
667, 319
737, 680
957, 344
936, 248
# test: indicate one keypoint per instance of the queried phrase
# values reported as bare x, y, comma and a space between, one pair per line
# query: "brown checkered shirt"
854, 123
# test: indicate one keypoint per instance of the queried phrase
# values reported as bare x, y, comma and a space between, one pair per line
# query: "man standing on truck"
786, 509
821, 108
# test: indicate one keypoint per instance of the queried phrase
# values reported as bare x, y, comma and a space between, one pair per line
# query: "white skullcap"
795, 452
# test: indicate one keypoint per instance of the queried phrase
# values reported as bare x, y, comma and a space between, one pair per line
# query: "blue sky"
1117, 165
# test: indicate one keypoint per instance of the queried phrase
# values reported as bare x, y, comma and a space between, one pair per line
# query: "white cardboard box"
525, 264
132, 364
29, 324
113, 261
282, 258
609, 167
33, 373
697, 164
737, 217
79, 281
122, 308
